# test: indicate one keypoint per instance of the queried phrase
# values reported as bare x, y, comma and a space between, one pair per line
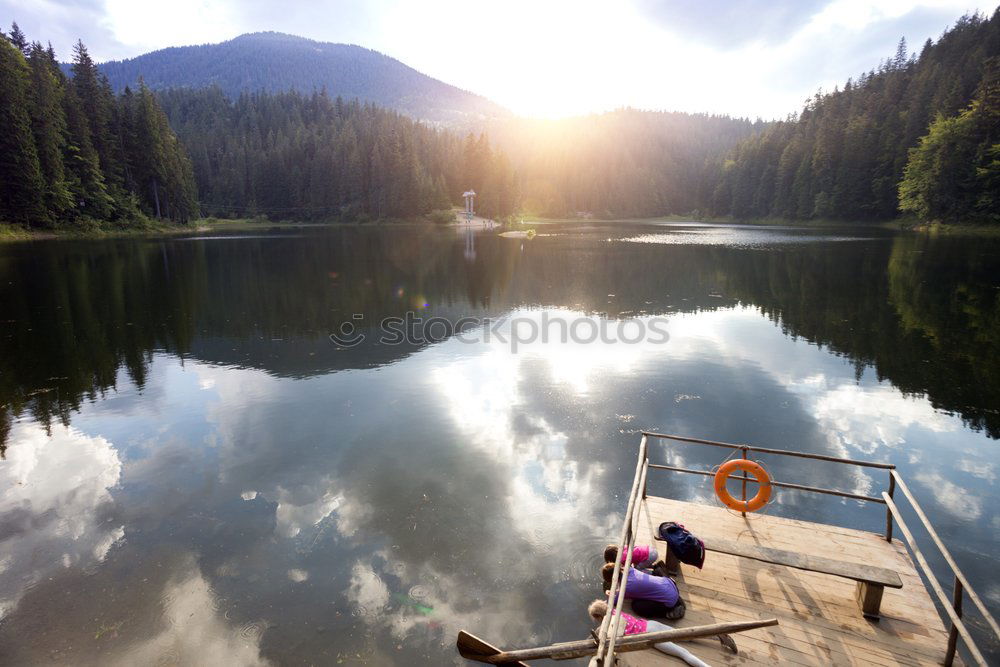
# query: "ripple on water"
252, 631
516, 632
420, 593
584, 563
541, 534
167, 600
168, 656
541, 635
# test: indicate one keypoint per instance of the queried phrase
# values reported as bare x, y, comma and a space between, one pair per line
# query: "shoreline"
898, 224
16, 233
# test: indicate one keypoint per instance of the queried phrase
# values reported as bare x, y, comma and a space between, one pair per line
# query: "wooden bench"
871, 580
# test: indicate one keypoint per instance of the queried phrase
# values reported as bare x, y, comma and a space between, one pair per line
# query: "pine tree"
21, 182
149, 162
48, 125
848, 154
67, 149
83, 169
18, 39
902, 55
952, 174
96, 100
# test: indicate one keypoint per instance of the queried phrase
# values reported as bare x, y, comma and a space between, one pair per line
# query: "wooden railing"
608, 632
961, 586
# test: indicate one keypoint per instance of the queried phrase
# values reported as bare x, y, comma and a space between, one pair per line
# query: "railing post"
645, 481
888, 512
626, 541
956, 603
746, 452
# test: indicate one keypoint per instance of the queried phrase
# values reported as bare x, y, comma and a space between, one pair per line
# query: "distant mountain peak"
277, 62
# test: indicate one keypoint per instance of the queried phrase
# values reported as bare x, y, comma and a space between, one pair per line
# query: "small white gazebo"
469, 196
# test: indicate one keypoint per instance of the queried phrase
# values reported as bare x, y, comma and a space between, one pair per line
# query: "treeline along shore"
918, 137
73, 152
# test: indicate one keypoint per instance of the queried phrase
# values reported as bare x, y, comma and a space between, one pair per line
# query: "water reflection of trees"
923, 312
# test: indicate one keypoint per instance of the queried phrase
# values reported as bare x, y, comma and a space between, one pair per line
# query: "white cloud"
980, 469
294, 515
51, 493
865, 418
194, 633
367, 592
549, 58
960, 502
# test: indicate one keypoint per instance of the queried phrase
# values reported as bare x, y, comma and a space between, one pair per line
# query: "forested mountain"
296, 156
276, 63
72, 151
845, 155
626, 163
300, 156
919, 135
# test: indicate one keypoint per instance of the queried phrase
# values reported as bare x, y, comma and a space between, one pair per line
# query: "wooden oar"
473, 648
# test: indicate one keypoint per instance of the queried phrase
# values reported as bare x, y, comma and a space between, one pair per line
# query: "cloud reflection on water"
55, 491
460, 487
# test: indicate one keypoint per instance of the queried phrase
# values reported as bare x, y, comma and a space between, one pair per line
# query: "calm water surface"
195, 473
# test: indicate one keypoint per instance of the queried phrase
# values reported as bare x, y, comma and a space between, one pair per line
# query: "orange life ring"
755, 469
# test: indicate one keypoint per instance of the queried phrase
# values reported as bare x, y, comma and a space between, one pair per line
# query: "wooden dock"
791, 591
820, 622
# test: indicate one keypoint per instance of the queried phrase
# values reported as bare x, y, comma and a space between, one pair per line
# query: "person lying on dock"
644, 556
598, 609
651, 596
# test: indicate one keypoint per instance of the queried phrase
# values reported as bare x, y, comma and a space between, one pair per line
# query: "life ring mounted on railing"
751, 467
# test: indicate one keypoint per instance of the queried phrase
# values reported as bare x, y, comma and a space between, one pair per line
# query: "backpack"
688, 548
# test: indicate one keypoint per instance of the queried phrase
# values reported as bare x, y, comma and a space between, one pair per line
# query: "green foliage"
442, 216
989, 178
48, 126
844, 156
69, 146
307, 157
954, 172
20, 174
939, 175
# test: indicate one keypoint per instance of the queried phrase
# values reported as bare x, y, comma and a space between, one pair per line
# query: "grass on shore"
94, 230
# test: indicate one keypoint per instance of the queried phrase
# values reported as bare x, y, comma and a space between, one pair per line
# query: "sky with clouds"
549, 57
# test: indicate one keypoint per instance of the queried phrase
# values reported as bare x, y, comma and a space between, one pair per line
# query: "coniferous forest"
290, 155
919, 136
72, 151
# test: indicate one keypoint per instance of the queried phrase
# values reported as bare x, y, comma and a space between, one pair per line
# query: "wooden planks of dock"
819, 619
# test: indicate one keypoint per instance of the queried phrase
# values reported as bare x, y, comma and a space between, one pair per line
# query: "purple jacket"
643, 586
